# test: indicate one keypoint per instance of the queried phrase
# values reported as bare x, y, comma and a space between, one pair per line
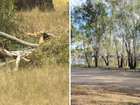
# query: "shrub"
56, 51
9, 21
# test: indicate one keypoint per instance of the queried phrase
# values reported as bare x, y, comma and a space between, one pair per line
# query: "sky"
76, 2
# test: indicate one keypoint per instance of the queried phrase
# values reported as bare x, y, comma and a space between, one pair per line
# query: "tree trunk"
122, 60
96, 61
117, 52
85, 53
134, 33
126, 63
106, 60
75, 57
118, 61
96, 57
107, 64
87, 59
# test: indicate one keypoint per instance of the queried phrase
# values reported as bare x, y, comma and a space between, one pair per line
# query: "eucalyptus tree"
81, 41
131, 28
112, 26
125, 19
121, 17
92, 16
107, 37
75, 41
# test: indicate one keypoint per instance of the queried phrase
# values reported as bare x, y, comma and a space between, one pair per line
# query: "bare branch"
2, 34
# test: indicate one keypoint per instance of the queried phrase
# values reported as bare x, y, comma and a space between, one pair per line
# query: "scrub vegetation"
44, 80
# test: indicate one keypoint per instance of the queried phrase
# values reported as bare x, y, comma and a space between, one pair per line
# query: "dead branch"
17, 55
6, 63
2, 34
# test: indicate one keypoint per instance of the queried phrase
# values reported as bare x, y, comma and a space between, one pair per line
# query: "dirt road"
100, 77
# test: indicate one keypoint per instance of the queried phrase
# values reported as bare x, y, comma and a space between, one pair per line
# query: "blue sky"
76, 2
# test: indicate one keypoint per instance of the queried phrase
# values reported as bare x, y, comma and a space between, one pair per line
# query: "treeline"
107, 27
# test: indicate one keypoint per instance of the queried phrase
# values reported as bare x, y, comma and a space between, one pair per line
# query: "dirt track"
99, 77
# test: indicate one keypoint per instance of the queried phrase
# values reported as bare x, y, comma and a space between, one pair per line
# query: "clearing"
96, 86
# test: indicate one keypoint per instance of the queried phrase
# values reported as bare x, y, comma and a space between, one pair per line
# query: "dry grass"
107, 67
89, 95
46, 85
55, 22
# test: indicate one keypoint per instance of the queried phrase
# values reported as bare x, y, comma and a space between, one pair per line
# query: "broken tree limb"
6, 63
17, 55
23, 53
17, 62
2, 34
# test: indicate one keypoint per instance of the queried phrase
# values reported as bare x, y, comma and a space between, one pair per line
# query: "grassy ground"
48, 85
45, 85
104, 95
54, 22
107, 67
88, 95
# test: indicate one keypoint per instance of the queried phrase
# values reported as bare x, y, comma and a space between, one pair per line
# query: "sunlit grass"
54, 22
88, 95
48, 84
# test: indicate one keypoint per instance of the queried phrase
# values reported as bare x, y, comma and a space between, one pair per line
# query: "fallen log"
17, 55
21, 54
7, 36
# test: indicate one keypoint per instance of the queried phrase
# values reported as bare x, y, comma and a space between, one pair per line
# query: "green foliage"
8, 16
93, 15
57, 50
37, 57
9, 22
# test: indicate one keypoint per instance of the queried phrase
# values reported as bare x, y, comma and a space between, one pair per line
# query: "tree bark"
122, 61
106, 60
107, 64
85, 53
134, 34
96, 57
75, 57
117, 51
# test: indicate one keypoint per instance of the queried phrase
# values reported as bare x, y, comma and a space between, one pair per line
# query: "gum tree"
92, 22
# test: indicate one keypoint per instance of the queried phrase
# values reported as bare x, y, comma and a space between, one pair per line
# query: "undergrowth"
45, 80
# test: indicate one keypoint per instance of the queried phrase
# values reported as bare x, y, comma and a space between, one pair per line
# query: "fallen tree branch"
17, 55
7, 36
6, 63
